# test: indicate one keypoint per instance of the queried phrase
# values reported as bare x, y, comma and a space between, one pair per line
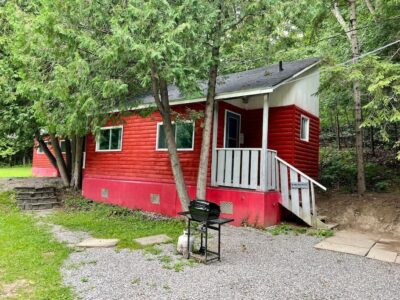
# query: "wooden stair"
298, 196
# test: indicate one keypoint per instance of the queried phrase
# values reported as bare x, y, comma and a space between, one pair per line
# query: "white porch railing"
242, 168
297, 190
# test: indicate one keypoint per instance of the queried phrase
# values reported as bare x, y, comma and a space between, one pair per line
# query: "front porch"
241, 158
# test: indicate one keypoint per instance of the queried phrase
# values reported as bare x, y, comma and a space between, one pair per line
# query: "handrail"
301, 173
245, 149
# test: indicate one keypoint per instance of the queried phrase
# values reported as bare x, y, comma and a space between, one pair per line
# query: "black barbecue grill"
202, 210
207, 213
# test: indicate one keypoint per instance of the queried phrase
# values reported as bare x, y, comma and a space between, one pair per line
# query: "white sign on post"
299, 185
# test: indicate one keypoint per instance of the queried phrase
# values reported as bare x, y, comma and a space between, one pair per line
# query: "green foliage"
29, 254
109, 221
287, 229
338, 170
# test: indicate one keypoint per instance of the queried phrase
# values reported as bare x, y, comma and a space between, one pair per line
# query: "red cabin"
265, 145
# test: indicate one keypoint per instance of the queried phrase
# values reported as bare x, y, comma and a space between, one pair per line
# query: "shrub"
338, 170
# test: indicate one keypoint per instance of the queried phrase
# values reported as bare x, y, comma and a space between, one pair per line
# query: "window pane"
62, 146
184, 135
40, 149
116, 138
304, 129
104, 139
162, 142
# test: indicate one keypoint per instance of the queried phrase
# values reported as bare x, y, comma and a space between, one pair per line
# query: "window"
304, 128
62, 146
40, 149
109, 139
184, 136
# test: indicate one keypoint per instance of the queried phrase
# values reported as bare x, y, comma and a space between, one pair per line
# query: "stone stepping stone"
98, 243
382, 252
153, 239
348, 242
397, 259
326, 245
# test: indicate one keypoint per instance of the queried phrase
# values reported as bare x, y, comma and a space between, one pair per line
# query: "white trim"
240, 126
264, 145
110, 150
300, 172
84, 153
307, 139
290, 79
178, 149
61, 147
39, 147
214, 145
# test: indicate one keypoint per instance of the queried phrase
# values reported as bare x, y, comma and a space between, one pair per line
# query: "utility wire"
360, 27
346, 62
327, 38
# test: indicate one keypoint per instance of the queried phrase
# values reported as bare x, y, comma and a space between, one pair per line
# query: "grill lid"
202, 210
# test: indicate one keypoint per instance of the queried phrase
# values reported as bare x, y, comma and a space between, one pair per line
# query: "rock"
101, 243
154, 239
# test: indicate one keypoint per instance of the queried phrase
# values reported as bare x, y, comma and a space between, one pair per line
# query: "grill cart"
207, 214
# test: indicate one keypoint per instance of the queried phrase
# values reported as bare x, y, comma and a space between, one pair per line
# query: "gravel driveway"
255, 265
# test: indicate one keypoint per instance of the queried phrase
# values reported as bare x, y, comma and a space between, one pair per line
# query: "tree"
70, 71
231, 17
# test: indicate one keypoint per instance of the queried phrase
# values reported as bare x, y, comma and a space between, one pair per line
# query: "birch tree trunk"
357, 102
60, 160
160, 89
352, 36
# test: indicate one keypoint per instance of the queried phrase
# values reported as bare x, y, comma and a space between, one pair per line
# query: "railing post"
214, 146
263, 160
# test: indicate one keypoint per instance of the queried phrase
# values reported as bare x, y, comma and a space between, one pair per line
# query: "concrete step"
39, 197
35, 190
37, 200
40, 205
35, 195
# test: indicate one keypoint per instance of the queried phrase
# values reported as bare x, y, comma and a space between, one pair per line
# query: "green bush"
338, 170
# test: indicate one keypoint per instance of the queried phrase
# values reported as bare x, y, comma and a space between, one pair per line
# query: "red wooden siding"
306, 153
139, 159
284, 136
250, 127
41, 166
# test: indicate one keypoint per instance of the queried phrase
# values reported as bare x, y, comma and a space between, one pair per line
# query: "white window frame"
110, 150
307, 133
37, 149
61, 147
179, 149
240, 125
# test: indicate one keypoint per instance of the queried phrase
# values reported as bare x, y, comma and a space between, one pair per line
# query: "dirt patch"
374, 212
12, 290
7, 184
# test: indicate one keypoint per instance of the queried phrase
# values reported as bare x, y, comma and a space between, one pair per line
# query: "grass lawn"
109, 221
18, 171
30, 259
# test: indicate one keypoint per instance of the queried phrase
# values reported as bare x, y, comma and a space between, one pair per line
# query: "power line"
360, 27
327, 38
347, 61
